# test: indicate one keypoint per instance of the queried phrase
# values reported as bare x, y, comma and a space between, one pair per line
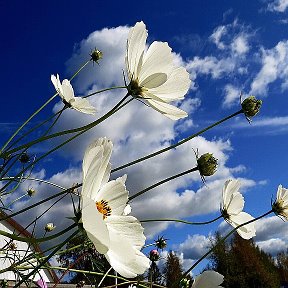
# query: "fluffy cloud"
278, 5
274, 67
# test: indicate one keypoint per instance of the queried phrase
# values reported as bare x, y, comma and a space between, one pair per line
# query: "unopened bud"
251, 106
96, 55
49, 227
160, 243
207, 164
31, 192
154, 255
12, 246
184, 283
24, 158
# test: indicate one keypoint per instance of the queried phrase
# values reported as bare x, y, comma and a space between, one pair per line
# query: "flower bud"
49, 227
184, 283
96, 55
12, 246
24, 158
251, 106
207, 164
154, 255
160, 243
31, 192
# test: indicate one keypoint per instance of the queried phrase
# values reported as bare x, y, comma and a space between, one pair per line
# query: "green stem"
38, 240
222, 240
181, 221
70, 131
106, 89
37, 111
177, 144
45, 260
162, 182
89, 126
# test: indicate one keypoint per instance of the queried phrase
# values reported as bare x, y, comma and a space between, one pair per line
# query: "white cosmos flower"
232, 206
208, 279
66, 92
280, 206
153, 76
104, 204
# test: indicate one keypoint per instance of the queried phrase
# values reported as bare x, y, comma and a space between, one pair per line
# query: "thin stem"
222, 240
45, 260
116, 108
181, 221
103, 90
177, 144
70, 131
162, 182
37, 111
38, 240
104, 276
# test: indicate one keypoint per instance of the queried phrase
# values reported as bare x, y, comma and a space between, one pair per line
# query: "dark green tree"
173, 270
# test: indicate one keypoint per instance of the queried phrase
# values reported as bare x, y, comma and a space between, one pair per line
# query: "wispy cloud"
278, 6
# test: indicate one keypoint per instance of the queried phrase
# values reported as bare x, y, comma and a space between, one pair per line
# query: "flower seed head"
154, 255
24, 158
251, 106
96, 55
49, 227
31, 192
207, 164
161, 243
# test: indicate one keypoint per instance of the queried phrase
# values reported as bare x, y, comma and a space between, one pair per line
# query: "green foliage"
243, 264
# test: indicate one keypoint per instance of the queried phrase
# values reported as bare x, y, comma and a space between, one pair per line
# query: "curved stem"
70, 131
38, 110
46, 259
38, 240
180, 221
177, 144
162, 182
116, 108
222, 240
106, 89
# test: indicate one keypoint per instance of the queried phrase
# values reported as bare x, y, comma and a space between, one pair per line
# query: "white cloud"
272, 246
195, 246
273, 67
217, 35
232, 94
278, 5
240, 44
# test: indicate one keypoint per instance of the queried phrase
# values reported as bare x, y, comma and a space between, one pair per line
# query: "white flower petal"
128, 269
128, 226
176, 86
115, 193
94, 225
246, 232
230, 187
127, 210
208, 279
135, 48
57, 84
82, 105
96, 166
167, 110
158, 59
68, 92
236, 204
154, 80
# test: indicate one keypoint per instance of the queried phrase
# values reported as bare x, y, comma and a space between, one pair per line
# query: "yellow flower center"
103, 207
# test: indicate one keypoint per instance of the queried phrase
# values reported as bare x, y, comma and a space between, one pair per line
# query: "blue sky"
228, 48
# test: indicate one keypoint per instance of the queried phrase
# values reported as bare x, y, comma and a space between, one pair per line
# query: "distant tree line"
242, 263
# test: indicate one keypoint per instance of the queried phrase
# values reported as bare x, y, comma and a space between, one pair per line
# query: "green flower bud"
251, 106
49, 227
207, 164
96, 55
31, 192
184, 283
